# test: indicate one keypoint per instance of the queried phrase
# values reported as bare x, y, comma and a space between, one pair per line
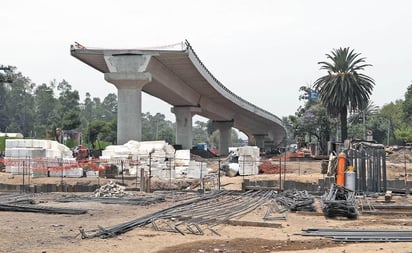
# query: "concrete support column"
225, 140
184, 124
129, 111
260, 140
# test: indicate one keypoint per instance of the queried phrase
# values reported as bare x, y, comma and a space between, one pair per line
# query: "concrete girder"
163, 76
215, 111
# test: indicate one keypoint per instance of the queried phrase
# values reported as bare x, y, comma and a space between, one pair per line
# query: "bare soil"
37, 232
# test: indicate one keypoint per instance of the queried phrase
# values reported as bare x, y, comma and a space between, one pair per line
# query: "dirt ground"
37, 232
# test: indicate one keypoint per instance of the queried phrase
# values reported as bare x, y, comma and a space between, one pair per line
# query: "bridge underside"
179, 78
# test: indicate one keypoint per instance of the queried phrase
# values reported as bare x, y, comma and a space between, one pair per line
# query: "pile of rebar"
141, 201
39, 209
195, 215
295, 200
358, 235
339, 201
26, 203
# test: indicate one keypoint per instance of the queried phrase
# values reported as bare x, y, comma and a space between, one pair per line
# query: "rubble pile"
111, 189
267, 167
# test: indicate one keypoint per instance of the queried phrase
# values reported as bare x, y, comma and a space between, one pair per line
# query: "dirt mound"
267, 167
400, 156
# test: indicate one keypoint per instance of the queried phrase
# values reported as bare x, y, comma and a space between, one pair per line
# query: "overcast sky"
263, 51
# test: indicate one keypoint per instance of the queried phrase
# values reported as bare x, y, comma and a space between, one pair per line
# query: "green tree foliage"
95, 131
344, 88
45, 105
156, 127
311, 120
407, 105
404, 133
20, 104
109, 106
200, 134
71, 119
394, 113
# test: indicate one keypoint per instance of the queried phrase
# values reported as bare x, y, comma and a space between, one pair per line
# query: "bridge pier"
129, 114
225, 140
260, 140
184, 123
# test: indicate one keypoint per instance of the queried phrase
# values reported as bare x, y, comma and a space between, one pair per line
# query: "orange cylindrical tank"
340, 174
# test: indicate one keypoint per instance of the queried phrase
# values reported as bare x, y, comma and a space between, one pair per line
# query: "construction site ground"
39, 232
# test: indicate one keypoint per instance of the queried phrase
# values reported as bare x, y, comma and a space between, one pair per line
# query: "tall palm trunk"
343, 124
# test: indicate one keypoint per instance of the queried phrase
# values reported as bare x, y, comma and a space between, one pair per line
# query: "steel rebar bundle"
141, 201
210, 210
26, 203
339, 201
39, 209
296, 200
357, 235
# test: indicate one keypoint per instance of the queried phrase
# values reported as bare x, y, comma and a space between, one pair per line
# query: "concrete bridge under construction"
179, 78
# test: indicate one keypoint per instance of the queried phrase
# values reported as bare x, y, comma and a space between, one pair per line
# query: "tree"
407, 105
46, 117
200, 132
394, 113
71, 120
110, 107
404, 133
344, 89
95, 130
157, 128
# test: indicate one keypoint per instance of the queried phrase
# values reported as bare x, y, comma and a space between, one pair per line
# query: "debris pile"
267, 167
400, 155
111, 189
297, 200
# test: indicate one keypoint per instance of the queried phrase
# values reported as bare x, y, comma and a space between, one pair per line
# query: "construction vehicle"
81, 153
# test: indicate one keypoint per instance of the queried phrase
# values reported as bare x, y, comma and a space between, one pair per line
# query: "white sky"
262, 50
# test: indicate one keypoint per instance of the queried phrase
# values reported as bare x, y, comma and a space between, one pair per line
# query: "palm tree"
343, 89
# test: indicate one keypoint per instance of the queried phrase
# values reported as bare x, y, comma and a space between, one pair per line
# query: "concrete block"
197, 169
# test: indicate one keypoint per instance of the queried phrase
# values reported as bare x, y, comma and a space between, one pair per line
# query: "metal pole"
24, 190
29, 172
201, 178
136, 174
61, 167
121, 164
389, 125
218, 176
170, 173
243, 164
280, 173
141, 179
404, 161
284, 172
150, 172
